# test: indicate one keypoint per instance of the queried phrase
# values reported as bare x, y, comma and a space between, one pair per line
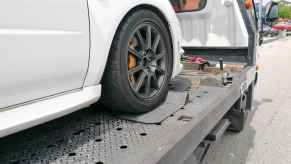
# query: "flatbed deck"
96, 136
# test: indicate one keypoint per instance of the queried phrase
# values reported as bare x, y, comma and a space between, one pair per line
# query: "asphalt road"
267, 137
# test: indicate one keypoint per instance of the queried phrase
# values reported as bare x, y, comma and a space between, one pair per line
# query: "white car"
56, 55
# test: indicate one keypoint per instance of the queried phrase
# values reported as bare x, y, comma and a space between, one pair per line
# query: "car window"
188, 5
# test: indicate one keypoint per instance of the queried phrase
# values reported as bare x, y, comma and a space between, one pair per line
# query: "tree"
284, 11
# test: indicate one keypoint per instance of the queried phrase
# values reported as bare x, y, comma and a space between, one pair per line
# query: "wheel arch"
156, 11
165, 13
153, 9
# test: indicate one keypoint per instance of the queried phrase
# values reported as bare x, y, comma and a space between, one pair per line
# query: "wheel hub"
147, 60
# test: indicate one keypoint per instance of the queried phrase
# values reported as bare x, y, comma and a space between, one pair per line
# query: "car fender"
105, 16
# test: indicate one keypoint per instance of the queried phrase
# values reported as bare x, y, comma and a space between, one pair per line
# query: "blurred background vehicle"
284, 26
268, 31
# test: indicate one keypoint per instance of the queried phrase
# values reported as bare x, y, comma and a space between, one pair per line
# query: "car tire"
143, 44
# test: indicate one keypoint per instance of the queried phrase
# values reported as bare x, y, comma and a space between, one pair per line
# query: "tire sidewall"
130, 25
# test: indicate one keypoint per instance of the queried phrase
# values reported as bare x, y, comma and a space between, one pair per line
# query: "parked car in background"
283, 26
269, 31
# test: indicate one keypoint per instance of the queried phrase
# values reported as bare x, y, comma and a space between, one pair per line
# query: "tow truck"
202, 104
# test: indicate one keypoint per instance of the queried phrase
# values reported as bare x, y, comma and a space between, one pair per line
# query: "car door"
44, 48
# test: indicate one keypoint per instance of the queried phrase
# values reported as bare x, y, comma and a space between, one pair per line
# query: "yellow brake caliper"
132, 61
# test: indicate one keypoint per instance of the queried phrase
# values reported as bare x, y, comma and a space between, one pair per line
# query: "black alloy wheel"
140, 64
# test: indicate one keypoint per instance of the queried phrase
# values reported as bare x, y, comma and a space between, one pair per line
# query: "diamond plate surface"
86, 136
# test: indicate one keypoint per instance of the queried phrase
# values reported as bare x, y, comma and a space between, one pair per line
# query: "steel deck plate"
176, 99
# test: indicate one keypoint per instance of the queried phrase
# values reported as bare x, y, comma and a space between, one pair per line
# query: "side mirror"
249, 4
273, 13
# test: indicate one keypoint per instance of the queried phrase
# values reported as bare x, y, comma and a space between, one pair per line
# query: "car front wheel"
140, 64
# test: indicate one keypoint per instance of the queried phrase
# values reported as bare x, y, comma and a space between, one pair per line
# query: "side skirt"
24, 117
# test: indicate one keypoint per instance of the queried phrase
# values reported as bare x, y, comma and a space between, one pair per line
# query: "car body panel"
44, 48
103, 29
29, 115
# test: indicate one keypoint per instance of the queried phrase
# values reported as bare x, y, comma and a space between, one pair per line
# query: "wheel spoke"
158, 57
155, 81
156, 43
149, 37
134, 52
135, 70
159, 69
141, 40
148, 70
148, 85
140, 82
